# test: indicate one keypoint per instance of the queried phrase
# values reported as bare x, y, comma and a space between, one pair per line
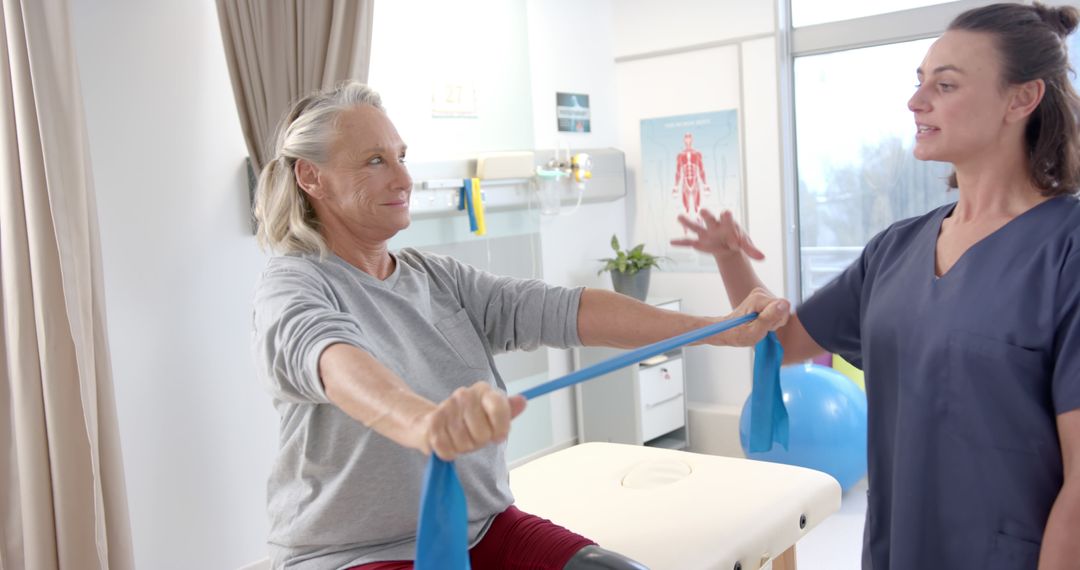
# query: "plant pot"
634, 285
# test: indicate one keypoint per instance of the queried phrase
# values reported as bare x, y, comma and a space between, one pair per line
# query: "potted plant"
630, 269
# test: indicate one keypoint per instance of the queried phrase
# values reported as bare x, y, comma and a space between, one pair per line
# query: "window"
851, 166
856, 172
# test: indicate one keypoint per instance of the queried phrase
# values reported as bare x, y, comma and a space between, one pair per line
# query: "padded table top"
673, 509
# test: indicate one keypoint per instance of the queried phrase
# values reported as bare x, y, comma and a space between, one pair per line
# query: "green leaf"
628, 261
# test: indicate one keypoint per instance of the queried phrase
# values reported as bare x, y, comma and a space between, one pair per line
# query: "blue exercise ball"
827, 419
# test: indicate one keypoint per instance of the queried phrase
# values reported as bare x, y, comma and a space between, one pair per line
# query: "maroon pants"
515, 541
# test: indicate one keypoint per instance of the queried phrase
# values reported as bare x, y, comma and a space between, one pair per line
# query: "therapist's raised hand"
773, 313
720, 237
469, 419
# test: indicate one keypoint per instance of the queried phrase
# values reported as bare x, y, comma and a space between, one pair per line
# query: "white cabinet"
640, 404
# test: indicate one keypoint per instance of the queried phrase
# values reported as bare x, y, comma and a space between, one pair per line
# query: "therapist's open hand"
719, 237
773, 313
469, 419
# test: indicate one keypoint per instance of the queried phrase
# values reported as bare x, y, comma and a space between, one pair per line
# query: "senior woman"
376, 358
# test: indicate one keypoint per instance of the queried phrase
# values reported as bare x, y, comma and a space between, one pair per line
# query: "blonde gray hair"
286, 220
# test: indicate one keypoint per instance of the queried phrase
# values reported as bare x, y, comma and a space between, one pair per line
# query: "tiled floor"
836, 543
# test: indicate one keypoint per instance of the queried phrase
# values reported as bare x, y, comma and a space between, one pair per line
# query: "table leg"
785, 561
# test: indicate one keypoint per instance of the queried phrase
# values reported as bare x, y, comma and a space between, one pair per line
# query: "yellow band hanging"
478, 207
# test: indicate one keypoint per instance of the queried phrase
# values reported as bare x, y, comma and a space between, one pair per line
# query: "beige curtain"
280, 50
62, 498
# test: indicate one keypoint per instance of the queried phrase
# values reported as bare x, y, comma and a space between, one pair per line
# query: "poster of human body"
688, 163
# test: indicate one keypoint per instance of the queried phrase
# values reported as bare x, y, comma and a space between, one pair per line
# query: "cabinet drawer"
660, 382
662, 417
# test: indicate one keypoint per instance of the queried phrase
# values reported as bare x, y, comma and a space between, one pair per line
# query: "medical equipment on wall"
549, 182
558, 173
506, 181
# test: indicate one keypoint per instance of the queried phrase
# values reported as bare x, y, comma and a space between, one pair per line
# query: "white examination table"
673, 510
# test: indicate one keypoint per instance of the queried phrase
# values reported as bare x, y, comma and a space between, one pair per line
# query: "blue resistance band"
768, 416
442, 529
465, 202
634, 356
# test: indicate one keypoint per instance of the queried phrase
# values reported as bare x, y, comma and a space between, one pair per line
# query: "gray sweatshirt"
339, 493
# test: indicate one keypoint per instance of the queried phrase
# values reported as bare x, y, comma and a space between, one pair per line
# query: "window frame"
817, 39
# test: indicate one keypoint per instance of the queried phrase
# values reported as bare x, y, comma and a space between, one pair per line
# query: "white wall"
197, 432
693, 56
482, 44
528, 51
571, 50
643, 26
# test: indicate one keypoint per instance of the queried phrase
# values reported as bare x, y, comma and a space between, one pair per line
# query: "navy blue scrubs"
965, 375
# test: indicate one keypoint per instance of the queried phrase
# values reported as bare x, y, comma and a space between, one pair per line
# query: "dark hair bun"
1061, 19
